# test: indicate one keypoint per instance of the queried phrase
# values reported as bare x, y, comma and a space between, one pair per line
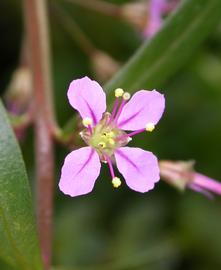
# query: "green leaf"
159, 58
18, 238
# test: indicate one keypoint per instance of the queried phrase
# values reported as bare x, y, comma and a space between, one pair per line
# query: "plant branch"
38, 38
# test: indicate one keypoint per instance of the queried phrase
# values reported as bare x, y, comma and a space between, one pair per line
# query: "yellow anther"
126, 96
110, 134
116, 182
87, 121
119, 92
111, 141
150, 127
102, 144
107, 135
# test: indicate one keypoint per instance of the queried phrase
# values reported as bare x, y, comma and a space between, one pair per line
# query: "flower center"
104, 137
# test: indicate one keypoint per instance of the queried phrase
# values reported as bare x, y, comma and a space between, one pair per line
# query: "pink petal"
79, 172
143, 108
88, 98
139, 168
207, 183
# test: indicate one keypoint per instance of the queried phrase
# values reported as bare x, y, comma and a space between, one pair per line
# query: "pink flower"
181, 175
106, 138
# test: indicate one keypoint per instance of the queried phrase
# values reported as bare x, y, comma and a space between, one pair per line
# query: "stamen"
119, 92
129, 135
90, 129
107, 135
116, 182
116, 103
102, 144
126, 96
136, 132
108, 138
87, 121
150, 127
110, 166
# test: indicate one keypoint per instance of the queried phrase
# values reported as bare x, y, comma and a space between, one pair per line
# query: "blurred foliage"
120, 229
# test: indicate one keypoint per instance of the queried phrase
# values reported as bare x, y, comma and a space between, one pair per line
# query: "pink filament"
114, 110
90, 129
110, 166
124, 101
131, 134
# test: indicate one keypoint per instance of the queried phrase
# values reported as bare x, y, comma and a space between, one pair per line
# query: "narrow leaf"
159, 58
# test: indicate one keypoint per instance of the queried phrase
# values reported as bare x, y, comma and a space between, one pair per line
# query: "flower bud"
135, 13
177, 173
19, 91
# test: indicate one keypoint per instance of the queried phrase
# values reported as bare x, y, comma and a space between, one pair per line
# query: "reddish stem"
37, 35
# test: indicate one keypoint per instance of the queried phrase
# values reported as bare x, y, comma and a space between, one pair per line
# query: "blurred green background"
121, 229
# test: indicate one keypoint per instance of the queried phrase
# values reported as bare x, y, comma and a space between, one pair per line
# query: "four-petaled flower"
106, 138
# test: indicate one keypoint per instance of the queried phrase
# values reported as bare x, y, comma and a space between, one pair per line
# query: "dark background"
162, 229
